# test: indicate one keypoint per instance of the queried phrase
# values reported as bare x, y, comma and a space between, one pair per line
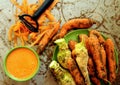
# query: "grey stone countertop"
106, 12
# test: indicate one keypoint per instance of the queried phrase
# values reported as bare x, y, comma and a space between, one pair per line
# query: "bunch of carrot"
48, 25
101, 62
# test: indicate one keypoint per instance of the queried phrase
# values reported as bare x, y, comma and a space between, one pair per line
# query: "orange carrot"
38, 38
15, 41
76, 74
91, 71
95, 52
95, 81
72, 66
72, 24
43, 28
16, 4
109, 48
40, 1
49, 16
10, 33
41, 19
47, 37
103, 55
98, 35
71, 44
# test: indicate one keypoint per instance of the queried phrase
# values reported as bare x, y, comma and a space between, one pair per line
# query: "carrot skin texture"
109, 48
95, 52
97, 34
74, 24
77, 76
91, 71
72, 44
103, 55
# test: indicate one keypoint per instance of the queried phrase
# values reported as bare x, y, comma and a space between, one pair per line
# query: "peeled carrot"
43, 28
40, 1
73, 24
47, 37
25, 5
15, 41
16, 4
41, 20
10, 33
109, 48
49, 15
38, 38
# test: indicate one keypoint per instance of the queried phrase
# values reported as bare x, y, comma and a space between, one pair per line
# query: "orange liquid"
21, 63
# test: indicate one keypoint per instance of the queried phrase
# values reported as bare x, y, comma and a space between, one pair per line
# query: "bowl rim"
10, 75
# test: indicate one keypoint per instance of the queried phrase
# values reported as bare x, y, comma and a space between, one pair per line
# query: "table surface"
105, 12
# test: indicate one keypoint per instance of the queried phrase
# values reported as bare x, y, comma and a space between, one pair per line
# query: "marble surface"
105, 12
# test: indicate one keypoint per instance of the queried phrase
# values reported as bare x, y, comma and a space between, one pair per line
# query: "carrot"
38, 38
49, 16
76, 74
10, 33
109, 48
72, 24
95, 81
98, 35
16, 4
25, 38
72, 44
47, 37
41, 19
91, 71
40, 1
21, 31
95, 52
15, 41
95, 33
43, 28
72, 65
25, 5
16, 26
21, 38
103, 55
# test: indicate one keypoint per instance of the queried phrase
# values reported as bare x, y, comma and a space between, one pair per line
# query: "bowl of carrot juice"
21, 63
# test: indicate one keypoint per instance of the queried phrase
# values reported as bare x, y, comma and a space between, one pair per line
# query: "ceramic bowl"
26, 78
